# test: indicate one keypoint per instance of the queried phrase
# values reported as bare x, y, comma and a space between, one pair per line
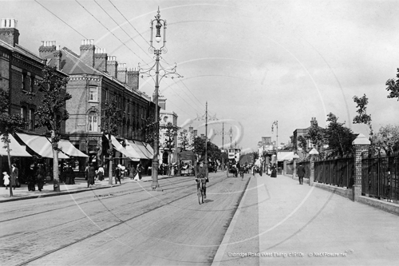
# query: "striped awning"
40, 145
16, 150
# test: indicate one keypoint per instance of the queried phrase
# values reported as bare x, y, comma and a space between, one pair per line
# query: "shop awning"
149, 148
16, 150
129, 147
69, 149
143, 149
137, 149
41, 145
122, 150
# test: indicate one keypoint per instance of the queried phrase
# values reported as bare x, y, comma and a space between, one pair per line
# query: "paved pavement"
280, 222
21, 193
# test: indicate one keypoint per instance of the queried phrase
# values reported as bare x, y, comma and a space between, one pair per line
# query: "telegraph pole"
206, 139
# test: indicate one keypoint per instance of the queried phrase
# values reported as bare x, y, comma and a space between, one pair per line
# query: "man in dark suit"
301, 173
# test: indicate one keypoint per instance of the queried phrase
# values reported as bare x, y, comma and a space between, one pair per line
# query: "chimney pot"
8, 31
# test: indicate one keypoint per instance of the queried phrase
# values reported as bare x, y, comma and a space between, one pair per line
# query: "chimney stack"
8, 31
112, 66
133, 79
100, 59
122, 71
47, 49
87, 52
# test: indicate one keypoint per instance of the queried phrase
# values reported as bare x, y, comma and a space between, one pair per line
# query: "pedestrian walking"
87, 171
118, 173
273, 172
139, 170
301, 173
14, 175
31, 177
6, 179
40, 175
91, 175
100, 173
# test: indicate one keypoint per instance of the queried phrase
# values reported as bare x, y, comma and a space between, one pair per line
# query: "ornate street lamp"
159, 72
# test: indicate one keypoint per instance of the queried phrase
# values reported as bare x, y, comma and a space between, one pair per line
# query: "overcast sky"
254, 62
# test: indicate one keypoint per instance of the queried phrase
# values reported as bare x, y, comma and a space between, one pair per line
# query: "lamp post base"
157, 188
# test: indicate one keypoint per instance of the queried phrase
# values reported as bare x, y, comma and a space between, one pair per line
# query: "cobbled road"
123, 225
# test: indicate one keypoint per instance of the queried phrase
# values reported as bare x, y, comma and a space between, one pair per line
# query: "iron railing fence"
380, 177
337, 172
306, 164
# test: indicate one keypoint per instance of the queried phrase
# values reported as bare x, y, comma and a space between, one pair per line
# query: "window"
93, 94
31, 119
32, 83
92, 122
28, 86
23, 81
24, 113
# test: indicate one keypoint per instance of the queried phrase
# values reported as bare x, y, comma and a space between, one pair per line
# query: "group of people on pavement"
92, 174
11, 180
35, 176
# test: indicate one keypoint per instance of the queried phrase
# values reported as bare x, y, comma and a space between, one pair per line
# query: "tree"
213, 151
387, 139
52, 111
9, 124
303, 144
316, 136
362, 117
199, 147
393, 87
111, 120
149, 130
184, 143
338, 137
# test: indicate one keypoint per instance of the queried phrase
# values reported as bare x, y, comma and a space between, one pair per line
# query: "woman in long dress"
91, 175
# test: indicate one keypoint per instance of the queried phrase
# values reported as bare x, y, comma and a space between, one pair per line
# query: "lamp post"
159, 72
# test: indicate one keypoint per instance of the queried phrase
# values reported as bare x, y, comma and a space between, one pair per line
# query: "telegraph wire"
48, 10
129, 22
61, 20
146, 52
108, 29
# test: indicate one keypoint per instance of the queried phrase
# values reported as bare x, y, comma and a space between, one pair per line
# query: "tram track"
103, 196
166, 201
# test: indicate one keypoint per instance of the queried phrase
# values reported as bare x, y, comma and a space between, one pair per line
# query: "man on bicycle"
201, 181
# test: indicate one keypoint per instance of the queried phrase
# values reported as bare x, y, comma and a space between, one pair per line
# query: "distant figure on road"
201, 183
301, 173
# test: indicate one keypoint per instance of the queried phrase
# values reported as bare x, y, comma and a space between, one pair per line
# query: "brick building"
302, 132
96, 78
20, 69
